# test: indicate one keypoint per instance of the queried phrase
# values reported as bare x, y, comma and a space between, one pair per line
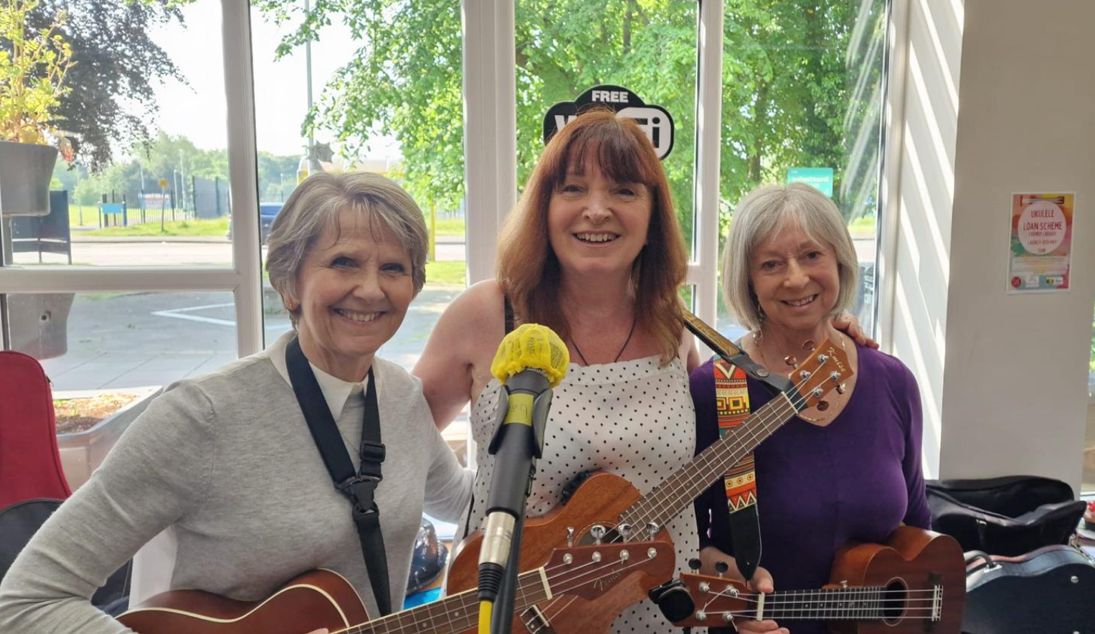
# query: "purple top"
820, 487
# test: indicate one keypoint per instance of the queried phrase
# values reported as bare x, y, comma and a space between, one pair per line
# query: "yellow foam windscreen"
531, 347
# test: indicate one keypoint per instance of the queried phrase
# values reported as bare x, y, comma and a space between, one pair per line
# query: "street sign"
163, 183
820, 178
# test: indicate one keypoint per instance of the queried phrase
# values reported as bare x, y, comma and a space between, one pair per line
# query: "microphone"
530, 361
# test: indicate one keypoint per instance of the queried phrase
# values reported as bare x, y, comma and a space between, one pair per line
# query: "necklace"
619, 354
791, 361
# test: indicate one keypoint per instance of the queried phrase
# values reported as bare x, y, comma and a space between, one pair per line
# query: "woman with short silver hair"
230, 464
847, 468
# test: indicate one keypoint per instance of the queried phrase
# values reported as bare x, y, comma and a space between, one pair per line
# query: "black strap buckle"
372, 452
360, 490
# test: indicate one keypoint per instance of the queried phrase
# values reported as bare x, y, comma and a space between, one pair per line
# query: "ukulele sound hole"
893, 605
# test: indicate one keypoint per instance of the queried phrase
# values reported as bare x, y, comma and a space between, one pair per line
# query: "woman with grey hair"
846, 470
229, 463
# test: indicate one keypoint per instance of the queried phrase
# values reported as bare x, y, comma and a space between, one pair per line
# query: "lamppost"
182, 181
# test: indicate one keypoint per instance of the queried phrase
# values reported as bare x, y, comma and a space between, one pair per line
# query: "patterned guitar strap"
740, 482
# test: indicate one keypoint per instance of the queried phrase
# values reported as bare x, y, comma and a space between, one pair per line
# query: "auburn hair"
528, 269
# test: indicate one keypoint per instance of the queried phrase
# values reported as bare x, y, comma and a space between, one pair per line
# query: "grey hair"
759, 216
316, 204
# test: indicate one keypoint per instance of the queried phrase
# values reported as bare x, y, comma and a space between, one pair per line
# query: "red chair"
30, 464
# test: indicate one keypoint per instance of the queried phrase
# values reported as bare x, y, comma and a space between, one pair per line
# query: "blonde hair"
759, 216
316, 204
528, 269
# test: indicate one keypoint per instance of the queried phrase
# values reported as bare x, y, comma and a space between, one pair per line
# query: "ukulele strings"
789, 605
567, 579
752, 431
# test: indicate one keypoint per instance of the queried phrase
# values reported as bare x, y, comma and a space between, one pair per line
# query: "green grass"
447, 272
212, 227
864, 225
449, 226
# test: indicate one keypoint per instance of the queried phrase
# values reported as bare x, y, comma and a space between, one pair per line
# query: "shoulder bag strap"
358, 488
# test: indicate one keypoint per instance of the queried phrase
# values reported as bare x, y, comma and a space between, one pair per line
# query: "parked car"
267, 213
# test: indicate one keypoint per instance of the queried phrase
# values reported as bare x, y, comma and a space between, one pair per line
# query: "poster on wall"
1041, 242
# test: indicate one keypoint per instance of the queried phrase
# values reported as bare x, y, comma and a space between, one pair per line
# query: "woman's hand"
847, 323
761, 582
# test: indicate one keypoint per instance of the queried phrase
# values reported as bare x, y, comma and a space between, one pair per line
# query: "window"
123, 282
802, 100
360, 98
566, 48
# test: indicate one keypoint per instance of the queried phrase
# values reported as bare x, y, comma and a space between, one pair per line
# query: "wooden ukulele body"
599, 500
314, 600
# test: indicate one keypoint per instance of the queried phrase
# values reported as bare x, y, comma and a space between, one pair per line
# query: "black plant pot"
25, 172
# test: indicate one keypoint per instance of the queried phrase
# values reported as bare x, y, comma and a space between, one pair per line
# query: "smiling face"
353, 289
795, 278
596, 224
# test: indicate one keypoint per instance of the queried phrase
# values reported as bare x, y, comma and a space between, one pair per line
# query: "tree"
116, 67
785, 80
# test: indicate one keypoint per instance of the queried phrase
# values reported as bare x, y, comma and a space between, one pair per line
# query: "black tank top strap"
509, 313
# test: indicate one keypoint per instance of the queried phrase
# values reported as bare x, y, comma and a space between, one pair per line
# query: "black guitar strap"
360, 487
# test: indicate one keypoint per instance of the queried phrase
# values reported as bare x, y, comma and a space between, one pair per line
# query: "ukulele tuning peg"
842, 388
822, 406
721, 567
693, 564
598, 533
790, 360
809, 345
570, 536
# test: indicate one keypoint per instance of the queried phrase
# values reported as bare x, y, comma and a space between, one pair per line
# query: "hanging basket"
25, 172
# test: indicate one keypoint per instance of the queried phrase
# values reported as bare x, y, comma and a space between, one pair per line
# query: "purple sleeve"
912, 464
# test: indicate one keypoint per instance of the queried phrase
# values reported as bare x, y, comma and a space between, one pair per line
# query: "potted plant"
33, 64
90, 422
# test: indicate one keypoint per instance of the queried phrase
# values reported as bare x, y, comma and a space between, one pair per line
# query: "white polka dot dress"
632, 418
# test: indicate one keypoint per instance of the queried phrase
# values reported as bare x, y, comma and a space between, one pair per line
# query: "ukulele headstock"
826, 369
589, 571
715, 600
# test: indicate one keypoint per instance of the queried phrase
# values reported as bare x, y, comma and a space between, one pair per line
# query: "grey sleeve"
151, 478
448, 485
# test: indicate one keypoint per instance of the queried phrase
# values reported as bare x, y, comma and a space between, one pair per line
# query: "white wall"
1010, 395
922, 112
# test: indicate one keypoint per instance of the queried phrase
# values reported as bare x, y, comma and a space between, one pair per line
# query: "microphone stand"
502, 617
502, 614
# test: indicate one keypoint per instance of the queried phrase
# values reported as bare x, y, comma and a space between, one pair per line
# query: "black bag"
1004, 516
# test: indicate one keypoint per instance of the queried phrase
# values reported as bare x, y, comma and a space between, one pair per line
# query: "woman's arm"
466, 334
448, 485
912, 464
153, 476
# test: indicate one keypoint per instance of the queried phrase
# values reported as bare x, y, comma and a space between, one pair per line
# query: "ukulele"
915, 582
608, 508
324, 599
